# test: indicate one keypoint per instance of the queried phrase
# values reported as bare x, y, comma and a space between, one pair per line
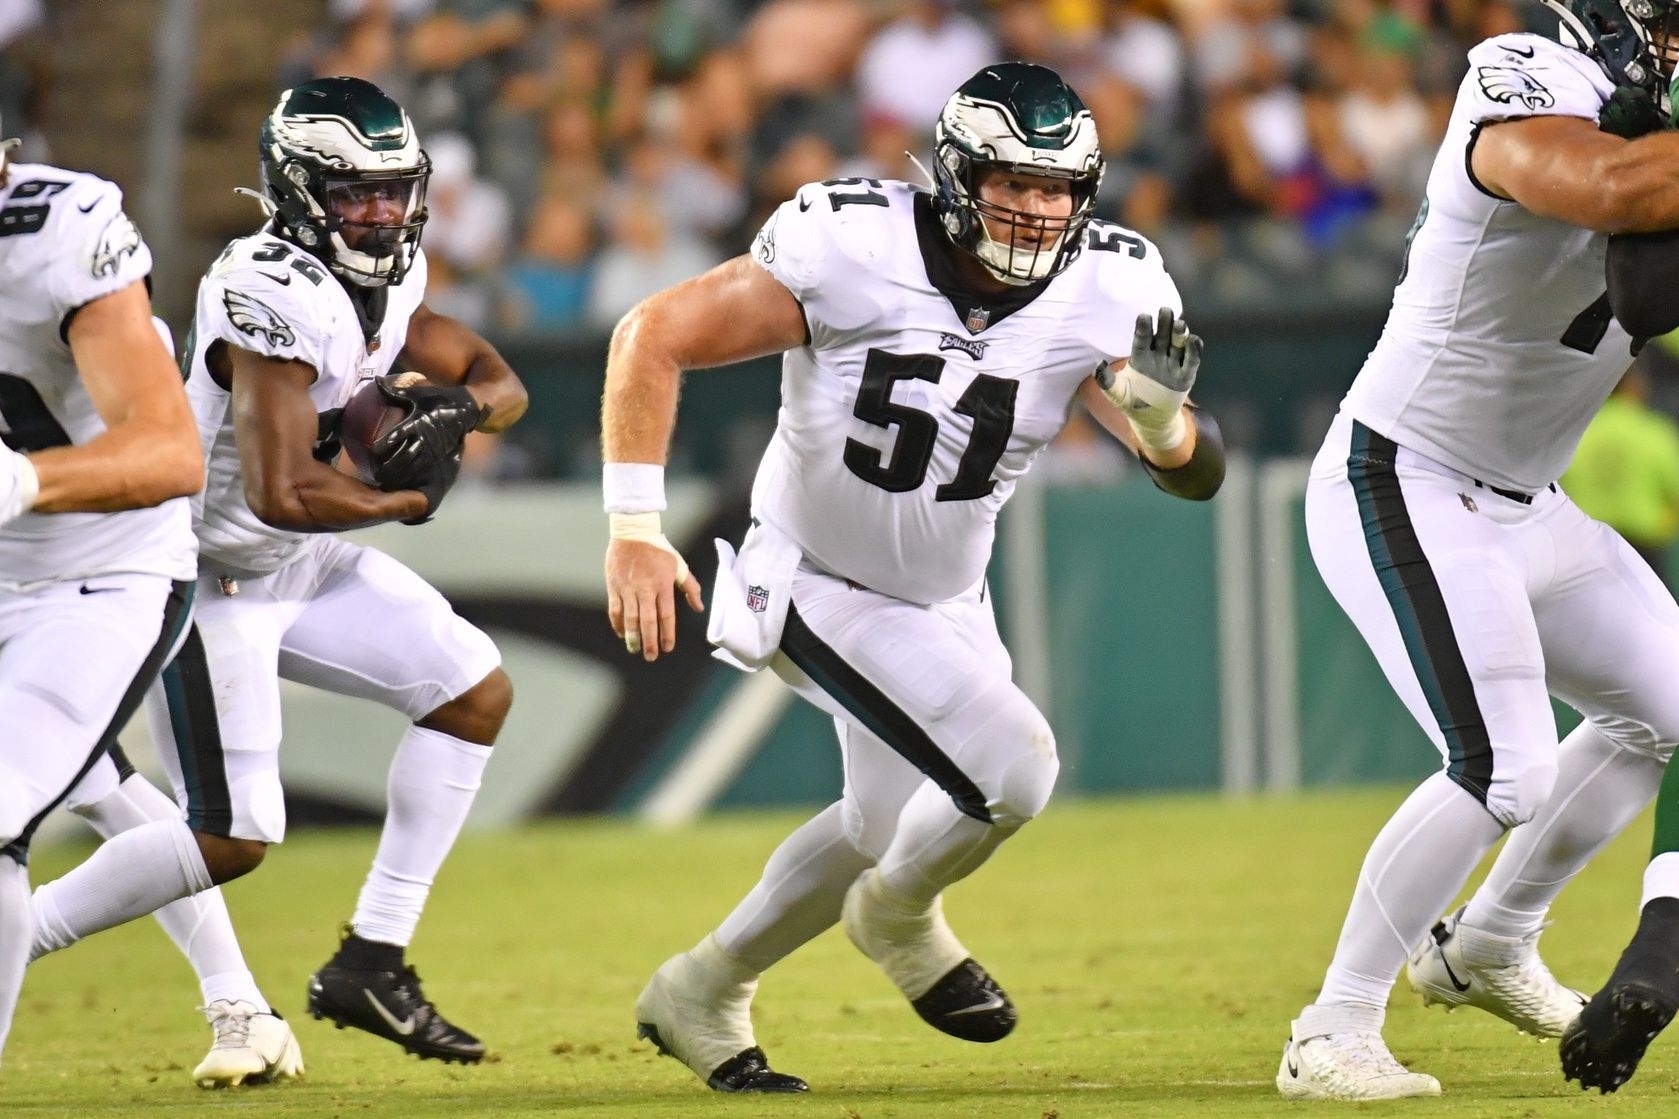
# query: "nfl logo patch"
757, 598
978, 319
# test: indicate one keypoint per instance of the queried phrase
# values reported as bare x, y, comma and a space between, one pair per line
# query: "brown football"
367, 417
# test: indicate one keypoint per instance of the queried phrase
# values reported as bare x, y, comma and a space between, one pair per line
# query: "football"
368, 416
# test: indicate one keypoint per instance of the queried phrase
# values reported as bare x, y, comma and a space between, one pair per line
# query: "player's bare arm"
149, 451
735, 312
275, 425
1567, 168
732, 313
448, 352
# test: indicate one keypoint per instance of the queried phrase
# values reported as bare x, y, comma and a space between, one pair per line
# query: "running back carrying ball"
369, 415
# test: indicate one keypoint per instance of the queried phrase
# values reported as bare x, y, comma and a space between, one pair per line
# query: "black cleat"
747, 1071
1602, 1047
967, 1003
390, 1004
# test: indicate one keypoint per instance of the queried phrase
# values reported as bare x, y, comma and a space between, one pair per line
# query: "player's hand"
642, 576
423, 452
18, 485
1154, 383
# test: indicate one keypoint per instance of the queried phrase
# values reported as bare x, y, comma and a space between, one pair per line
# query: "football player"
1434, 518
934, 342
96, 547
290, 321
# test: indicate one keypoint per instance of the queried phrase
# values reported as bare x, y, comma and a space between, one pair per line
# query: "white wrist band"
633, 487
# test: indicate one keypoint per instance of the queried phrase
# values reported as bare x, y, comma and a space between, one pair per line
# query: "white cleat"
1460, 965
698, 1009
251, 1047
1332, 1055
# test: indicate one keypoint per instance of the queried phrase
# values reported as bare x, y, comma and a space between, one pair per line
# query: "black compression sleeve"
1643, 274
1200, 477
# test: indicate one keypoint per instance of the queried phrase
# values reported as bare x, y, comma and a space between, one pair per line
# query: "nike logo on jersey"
1520, 52
283, 280
803, 205
992, 1001
88, 209
404, 1026
98, 590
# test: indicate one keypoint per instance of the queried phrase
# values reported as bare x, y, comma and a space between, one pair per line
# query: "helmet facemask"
344, 177
374, 222
1023, 121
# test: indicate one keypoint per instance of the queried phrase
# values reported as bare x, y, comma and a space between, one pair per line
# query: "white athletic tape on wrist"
644, 529
1167, 438
633, 487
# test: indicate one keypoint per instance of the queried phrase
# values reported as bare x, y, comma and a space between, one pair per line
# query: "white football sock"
133, 873
799, 895
14, 939
1417, 864
433, 779
1600, 790
934, 846
199, 925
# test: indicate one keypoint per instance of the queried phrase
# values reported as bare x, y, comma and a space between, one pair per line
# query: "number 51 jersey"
65, 242
914, 406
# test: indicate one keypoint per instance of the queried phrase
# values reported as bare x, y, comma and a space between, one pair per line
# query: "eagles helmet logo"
1509, 85
258, 319
119, 239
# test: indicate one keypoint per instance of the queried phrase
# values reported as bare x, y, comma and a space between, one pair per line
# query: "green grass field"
1156, 948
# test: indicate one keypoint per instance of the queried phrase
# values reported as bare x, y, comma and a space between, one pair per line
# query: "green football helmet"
1024, 120
1635, 41
345, 178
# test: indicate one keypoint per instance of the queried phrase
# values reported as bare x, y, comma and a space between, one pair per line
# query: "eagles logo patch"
1511, 85
118, 240
763, 245
258, 319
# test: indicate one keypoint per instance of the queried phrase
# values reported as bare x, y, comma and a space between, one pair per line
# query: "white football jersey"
64, 242
909, 415
1500, 346
267, 296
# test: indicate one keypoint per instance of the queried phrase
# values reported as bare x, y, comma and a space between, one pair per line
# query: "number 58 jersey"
65, 242
914, 407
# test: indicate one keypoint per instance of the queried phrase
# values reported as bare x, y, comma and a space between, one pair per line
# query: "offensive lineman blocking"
933, 345
1435, 521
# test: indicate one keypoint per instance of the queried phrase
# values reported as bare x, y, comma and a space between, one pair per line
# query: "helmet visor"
375, 215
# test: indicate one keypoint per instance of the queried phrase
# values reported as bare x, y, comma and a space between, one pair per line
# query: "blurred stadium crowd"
588, 153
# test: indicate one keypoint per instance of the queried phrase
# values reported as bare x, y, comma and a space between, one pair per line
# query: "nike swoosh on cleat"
404, 1026
993, 1001
1288, 1059
1452, 975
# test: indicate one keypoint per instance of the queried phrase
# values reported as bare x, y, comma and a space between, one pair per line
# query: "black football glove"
1630, 113
423, 452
